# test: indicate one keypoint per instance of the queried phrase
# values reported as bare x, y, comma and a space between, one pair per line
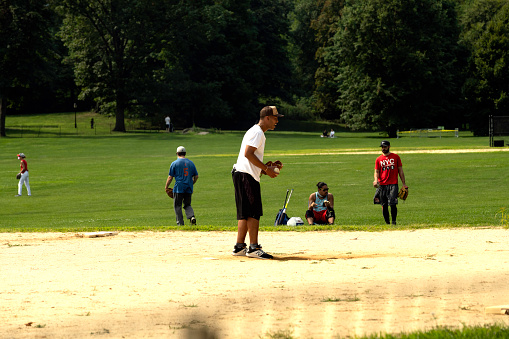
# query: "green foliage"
326, 25
303, 45
485, 34
113, 50
394, 64
224, 59
25, 47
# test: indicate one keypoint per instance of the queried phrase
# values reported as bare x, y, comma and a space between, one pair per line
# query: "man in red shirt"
387, 168
23, 175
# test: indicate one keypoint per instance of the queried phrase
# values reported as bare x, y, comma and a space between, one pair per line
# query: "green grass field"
116, 181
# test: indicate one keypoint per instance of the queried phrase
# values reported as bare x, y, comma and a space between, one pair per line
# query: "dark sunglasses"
324, 189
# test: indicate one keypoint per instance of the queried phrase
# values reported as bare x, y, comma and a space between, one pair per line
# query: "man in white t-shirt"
246, 180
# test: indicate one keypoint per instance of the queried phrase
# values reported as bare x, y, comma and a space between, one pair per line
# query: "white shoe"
18, 195
258, 253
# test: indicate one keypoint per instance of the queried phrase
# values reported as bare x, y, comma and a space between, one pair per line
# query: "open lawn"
117, 181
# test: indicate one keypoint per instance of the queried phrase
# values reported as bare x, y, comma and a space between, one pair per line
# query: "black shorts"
248, 197
386, 195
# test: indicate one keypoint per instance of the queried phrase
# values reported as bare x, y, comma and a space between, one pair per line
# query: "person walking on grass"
23, 175
246, 181
387, 168
185, 174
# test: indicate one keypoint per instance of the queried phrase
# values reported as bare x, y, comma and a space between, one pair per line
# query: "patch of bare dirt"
321, 284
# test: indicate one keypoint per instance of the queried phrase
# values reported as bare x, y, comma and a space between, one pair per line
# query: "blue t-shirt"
183, 170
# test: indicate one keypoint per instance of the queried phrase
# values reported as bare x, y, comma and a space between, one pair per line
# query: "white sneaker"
258, 253
18, 195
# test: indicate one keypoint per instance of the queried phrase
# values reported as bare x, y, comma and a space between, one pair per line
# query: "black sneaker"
257, 252
239, 250
193, 220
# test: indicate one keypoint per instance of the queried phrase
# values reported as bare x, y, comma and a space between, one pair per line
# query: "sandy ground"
321, 284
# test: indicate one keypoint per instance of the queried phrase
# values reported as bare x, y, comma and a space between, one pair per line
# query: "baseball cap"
22, 155
268, 111
385, 143
181, 149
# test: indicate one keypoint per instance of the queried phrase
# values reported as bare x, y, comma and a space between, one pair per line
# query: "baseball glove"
169, 191
276, 163
403, 193
18, 176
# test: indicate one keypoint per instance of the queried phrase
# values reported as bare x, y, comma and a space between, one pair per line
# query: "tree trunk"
119, 113
3, 112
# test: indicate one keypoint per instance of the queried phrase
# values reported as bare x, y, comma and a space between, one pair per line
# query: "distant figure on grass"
92, 123
185, 174
246, 180
387, 168
332, 133
167, 121
321, 206
23, 175
325, 134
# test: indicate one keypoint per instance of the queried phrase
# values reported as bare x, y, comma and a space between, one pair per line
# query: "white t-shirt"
167, 120
256, 138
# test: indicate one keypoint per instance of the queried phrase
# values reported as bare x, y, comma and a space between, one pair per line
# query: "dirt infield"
321, 285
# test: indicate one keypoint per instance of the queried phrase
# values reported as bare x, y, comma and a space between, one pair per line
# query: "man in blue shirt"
186, 175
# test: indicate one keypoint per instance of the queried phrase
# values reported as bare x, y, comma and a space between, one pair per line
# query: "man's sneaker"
257, 252
193, 220
239, 250
18, 195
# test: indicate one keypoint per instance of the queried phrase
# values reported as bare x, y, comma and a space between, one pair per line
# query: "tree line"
371, 64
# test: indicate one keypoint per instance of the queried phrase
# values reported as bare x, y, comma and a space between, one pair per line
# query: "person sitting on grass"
321, 206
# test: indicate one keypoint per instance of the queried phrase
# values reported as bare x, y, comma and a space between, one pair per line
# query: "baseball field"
440, 268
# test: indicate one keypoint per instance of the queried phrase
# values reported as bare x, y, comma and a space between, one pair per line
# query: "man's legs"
393, 215
251, 226
24, 180
27, 184
385, 212
187, 205
177, 206
310, 217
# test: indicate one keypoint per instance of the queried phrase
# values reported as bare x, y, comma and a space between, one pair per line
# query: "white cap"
181, 149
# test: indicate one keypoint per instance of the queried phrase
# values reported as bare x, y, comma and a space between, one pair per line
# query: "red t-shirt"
388, 166
23, 161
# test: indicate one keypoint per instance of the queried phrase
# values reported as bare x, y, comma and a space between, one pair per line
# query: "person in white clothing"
246, 181
24, 175
167, 121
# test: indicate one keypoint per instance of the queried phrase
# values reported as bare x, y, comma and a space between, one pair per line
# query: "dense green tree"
113, 47
224, 58
304, 45
25, 48
326, 26
395, 64
485, 33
